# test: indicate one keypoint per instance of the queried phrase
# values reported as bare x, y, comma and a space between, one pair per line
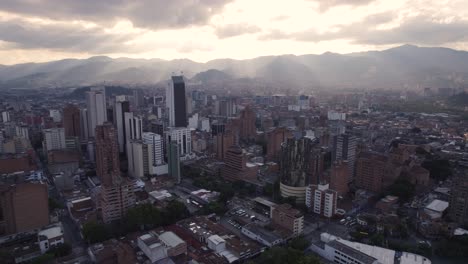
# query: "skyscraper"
84, 124
107, 154
155, 143
183, 137
339, 177
247, 124
54, 138
71, 121
275, 138
223, 142
175, 102
344, 148
97, 111
299, 166
458, 210
133, 127
121, 107
174, 161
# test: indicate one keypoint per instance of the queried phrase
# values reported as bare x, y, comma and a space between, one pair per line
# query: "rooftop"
437, 206
170, 239
356, 254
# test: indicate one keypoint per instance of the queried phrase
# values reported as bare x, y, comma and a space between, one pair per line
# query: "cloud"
154, 14
233, 30
21, 34
325, 5
415, 30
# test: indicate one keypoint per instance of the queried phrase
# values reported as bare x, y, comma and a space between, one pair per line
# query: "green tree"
403, 189
218, 208
60, 250
299, 243
143, 216
280, 255
44, 259
174, 212
94, 232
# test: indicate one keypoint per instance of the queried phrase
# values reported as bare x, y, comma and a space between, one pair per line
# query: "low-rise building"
289, 218
50, 237
262, 235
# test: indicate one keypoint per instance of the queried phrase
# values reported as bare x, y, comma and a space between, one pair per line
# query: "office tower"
54, 138
84, 124
276, 137
138, 159
299, 166
321, 200
155, 143
174, 161
223, 142
107, 154
175, 102
71, 121
458, 210
370, 171
217, 127
287, 217
339, 177
116, 199
183, 137
121, 107
247, 118
344, 148
138, 98
133, 127
157, 127
97, 110
91, 150
22, 131
193, 121
6, 117
235, 166
24, 207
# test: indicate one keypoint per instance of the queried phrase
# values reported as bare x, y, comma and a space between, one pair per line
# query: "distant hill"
80, 93
406, 66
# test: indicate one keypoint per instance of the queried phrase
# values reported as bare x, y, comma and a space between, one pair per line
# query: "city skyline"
49, 30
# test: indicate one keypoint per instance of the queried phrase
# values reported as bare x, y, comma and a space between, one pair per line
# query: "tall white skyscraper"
183, 137
84, 124
155, 145
96, 106
54, 138
133, 127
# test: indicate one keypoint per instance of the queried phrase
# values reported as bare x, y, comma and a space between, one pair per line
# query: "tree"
218, 208
439, 169
94, 232
60, 250
403, 189
143, 216
174, 212
299, 243
46, 258
280, 255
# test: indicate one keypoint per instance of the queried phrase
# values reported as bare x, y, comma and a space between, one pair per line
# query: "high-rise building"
339, 177
96, 109
6, 117
133, 127
458, 210
138, 159
344, 148
155, 143
54, 138
275, 138
223, 142
301, 164
183, 137
175, 102
174, 161
138, 98
287, 217
107, 154
121, 107
71, 121
56, 115
22, 131
247, 118
23, 207
84, 124
322, 200
370, 171
116, 199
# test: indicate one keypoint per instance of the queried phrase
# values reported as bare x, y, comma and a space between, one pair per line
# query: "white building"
133, 127
183, 137
50, 236
54, 138
22, 131
56, 115
204, 124
137, 157
334, 115
261, 235
321, 200
436, 208
96, 109
193, 121
155, 143
5, 117
120, 108
343, 251
84, 124
157, 247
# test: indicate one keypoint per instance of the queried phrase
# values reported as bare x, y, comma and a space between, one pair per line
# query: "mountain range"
405, 66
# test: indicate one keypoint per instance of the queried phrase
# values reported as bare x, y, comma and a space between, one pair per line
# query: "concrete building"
24, 207
50, 237
322, 200
247, 117
158, 247
174, 161
175, 102
344, 149
54, 139
22, 131
133, 127
275, 138
138, 159
289, 218
55, 115
6, 117
155, 143
96, 109
370, 171
301, 164
183, 137
84, 124
339, 174
261, 235
120, 108
223, 141
458, 210
107, 154
116, 199
71, 121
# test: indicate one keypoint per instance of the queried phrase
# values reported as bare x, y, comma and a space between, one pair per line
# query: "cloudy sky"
201, 30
